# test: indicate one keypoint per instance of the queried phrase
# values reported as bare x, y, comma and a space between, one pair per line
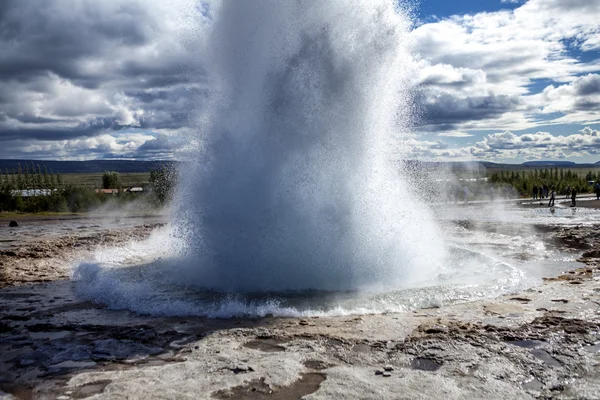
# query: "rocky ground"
42, 249
542, 343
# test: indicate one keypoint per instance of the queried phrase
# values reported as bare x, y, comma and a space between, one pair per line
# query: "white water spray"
296, 183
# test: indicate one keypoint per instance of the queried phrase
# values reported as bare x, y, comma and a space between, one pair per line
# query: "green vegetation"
94, 180
559, 178
111, 180
32, 188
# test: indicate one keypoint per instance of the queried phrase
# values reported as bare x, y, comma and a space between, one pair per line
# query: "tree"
26, 177
162, 181
20, 177
111, 180
38, 177
47, 183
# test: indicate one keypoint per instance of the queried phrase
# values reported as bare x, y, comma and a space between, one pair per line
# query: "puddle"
259, 390
317, 365
593, 348
266, 345
546, 358
90, 389
528, 344
49, 335
533, 384
74, 364
334, 342
425, 364
362, 348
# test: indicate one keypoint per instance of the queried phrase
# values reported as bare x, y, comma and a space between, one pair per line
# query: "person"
535, 189
491, 193
545, 191
568, 192
552, 194
466, 195
540, 190
573, 196
597, 190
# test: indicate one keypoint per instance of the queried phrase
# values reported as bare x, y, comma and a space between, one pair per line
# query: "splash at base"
136, 277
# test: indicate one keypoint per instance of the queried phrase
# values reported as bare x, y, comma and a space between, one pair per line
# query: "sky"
498, 80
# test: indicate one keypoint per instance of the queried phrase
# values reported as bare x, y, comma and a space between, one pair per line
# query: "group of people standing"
543, 192
540, 192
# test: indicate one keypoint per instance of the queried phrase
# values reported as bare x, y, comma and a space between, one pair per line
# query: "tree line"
30, 177
559, 178
34, 188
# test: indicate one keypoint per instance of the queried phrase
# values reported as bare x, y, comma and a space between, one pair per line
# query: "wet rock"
521, 299
387, 374
592, 254
431, 329
242, 368
388, 368
13, 224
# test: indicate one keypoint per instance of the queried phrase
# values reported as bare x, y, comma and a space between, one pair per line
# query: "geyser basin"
296, 184
145, 278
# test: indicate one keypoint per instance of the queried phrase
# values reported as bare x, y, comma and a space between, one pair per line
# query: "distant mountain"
549, 163
124, 166
92, 166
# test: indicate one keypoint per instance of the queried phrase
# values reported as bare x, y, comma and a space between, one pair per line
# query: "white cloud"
508, 145
476, 70
75, 73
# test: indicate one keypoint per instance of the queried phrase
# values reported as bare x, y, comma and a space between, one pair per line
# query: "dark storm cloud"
86, 129
82, 68
447, 111
588, 85
37, 38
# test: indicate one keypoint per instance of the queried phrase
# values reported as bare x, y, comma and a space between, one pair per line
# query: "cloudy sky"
499, 80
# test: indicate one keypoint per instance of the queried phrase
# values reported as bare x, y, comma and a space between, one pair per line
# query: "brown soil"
31, 256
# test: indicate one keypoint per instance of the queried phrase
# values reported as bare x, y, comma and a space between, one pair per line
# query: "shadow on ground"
47, 334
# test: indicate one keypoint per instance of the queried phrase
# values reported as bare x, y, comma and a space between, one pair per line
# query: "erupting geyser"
296, 182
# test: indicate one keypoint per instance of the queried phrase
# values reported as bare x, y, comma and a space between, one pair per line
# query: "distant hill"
492, 166
92, 166
549, 163
125, 166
